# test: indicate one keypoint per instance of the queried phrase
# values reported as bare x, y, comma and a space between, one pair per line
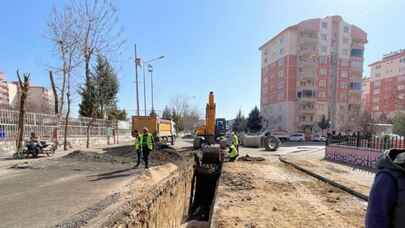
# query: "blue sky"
209, 45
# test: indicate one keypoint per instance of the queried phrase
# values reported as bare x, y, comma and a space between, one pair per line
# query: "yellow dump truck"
163, 130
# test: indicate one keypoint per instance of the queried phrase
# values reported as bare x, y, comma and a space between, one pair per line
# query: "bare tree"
23, 86
63, 32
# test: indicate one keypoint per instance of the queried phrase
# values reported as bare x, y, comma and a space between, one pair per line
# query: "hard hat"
145, 129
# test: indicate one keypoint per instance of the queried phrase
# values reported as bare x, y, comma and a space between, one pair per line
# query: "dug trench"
183, 198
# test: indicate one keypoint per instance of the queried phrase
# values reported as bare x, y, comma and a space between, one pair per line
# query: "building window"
324, 37
346, 29
280, 62
281, 40
402, 60
345, 41
376, 91
322, 83
322, 94
322, 71
401, 87
324, 25
323, 60
324, 49
355, 86
343, 74
280, 74
345, 52
357, 52
343, 85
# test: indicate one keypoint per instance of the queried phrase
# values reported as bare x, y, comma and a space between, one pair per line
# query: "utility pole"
150, 69
144, 88
136, 82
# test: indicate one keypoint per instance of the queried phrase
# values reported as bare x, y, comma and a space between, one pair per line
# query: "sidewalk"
356, 179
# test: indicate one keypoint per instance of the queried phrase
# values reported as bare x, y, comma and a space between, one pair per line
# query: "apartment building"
3, 91
309, 70
39, 99
385, 93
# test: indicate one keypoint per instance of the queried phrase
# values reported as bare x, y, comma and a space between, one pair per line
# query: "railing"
45, 125
361, 141
359, 150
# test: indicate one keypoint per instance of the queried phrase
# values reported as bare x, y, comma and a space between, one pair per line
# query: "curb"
326, 180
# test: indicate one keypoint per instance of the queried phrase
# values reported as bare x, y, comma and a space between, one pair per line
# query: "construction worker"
233, 153
147, 143
137, 147
235, 140
386, 204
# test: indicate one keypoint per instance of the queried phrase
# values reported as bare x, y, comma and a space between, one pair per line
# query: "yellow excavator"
209, 157
213, 128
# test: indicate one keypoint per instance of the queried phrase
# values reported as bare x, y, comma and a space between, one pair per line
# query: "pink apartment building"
385, 90
309, 70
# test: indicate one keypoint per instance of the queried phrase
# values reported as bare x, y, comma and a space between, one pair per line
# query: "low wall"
354, 156
7, 148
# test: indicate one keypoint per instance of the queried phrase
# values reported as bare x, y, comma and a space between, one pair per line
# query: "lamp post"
150, 69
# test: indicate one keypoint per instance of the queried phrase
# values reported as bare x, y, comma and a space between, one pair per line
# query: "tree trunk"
56, 108
88, 131
65, 142
23, 87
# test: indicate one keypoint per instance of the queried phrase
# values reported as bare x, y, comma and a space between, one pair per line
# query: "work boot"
135, 166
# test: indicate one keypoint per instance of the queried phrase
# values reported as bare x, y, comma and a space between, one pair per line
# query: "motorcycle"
34, 148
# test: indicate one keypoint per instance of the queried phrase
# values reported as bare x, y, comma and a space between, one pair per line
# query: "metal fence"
359, 150
45, 125
370, 142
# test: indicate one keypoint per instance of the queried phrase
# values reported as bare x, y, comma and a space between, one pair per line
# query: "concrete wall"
361, 157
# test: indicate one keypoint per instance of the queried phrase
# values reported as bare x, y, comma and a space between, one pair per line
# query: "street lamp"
150, 70
144, 80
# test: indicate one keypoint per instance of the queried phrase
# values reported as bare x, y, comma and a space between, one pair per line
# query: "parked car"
318, 138
297, 137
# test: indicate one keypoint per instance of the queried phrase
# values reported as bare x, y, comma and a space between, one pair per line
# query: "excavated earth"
271, 194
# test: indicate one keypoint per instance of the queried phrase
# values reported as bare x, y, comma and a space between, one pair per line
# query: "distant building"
3, 92
39, 99
309, 70
385, 93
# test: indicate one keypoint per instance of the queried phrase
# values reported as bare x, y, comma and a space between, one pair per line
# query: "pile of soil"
90, 156
238, 181
250, 158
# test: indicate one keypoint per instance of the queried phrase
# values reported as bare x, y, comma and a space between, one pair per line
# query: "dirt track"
271, 194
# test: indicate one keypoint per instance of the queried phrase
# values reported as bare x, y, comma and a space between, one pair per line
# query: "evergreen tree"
88, 105
107, 86
167, 114
399, 124
323, 124
254, 122
152, 113
239, 124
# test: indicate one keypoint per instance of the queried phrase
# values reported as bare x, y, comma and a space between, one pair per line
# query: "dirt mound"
250, 158
238, 181
90, 156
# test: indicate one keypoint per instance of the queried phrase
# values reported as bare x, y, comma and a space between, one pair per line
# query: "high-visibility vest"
147, 140
233, 152
137, 143
235, 140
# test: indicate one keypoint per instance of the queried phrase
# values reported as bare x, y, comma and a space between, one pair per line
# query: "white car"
318, 138
297, 137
